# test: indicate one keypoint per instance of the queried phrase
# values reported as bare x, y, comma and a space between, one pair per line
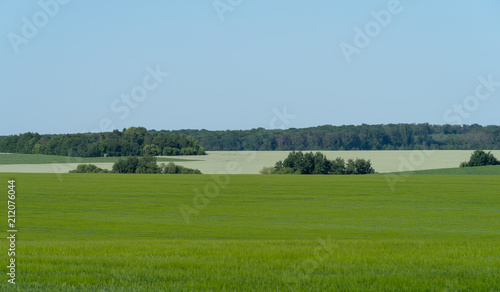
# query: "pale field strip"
251, 162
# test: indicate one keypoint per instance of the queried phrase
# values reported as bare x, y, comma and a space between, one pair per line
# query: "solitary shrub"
480, 158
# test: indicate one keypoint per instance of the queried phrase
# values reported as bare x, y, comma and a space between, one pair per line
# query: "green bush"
480, 158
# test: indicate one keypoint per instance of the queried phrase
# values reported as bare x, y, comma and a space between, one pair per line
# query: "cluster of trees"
480, 158
364, 137
317, 163
129, 142
145, 164
88, 168
171, 168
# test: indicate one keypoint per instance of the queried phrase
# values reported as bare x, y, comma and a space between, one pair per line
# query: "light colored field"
251, 162
46, 168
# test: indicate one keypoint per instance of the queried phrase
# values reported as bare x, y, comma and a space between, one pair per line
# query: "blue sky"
78, 66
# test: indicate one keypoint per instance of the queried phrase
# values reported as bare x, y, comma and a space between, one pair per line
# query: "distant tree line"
364, 137
138, 141
480, 158
317, 163
146, 164
134, 141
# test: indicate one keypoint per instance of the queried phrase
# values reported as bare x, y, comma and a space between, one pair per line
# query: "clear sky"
78, 66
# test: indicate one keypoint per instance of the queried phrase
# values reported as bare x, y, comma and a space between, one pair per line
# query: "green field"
110, 232
47, 159
478, 170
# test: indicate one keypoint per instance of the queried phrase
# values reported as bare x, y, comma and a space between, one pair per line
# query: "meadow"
478, 170
111, 232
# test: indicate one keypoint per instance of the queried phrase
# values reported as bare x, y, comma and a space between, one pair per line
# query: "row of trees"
146, 164
129, 142
364, 137
317, 163
139, 141
480, 158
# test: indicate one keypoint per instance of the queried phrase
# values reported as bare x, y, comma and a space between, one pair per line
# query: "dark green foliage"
338, 166
138, 141
364, 137
358, 166
480, 158
317, 163
88, 168
133, 141
171, 168
49, 159
321, 165
128, 165
147, 164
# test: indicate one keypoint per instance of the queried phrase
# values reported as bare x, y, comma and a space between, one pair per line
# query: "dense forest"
139, 141
364, 137
129, 142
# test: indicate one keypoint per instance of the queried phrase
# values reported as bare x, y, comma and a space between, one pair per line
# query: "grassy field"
479, 170
255, 233
48, 159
